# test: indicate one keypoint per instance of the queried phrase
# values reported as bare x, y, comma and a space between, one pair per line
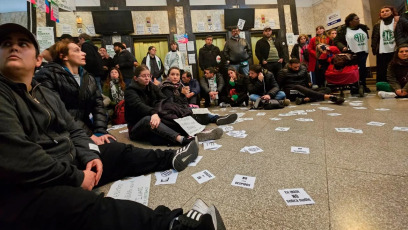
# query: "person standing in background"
154, 64
237, 52
123, 60
209, 55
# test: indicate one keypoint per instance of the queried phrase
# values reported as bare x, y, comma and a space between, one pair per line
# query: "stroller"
342, 73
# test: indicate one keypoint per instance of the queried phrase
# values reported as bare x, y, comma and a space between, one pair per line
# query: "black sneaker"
185, 155
200, 217
337, 100
299, 101
213, 134
223, 120
367, 90
187, 140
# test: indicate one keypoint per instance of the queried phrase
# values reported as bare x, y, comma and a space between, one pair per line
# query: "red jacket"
312, 53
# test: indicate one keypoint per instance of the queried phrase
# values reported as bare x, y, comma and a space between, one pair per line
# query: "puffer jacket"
237, 51
40, 142
79, 101
141, 102
340, 39
288, 78
397, 75
267, 86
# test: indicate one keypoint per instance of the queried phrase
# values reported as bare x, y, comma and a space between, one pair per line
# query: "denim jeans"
280, 95
241, 69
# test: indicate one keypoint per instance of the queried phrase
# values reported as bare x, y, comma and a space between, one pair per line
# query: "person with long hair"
383, 40
154, 64
353, 37
300, 50
314, 52
114, 89
236, 89
397, 75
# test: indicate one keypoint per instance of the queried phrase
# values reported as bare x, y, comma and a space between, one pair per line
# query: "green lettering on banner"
360, 37
388, 35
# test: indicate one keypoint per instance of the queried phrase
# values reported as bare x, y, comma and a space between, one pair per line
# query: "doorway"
142, 46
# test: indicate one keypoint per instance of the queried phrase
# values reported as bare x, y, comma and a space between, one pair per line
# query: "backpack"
119, 114
344, 59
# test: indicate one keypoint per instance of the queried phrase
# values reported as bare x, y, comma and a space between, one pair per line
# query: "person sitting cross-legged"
236, 88
212, 85
295, 81
263, 89
49, 164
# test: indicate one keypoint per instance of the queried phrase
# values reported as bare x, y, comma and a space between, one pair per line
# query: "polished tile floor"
358, 181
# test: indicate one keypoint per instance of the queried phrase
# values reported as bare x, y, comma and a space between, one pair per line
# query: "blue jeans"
241, 69
280, 95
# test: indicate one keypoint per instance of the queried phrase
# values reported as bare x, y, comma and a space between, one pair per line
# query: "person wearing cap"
124, 61
237, 52
269, 52
49, 165
209, 55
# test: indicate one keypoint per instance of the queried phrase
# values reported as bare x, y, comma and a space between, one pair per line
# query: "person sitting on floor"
397, 75
194, 87
114, 89
212, 85
236, 88
263, 89
295, 81
49, 164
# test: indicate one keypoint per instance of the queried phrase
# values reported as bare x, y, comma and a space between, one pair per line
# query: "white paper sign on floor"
302, 150
243, 181
211, 146
191, 126
251, 149
195, 162
355, 103
261, 114
240, 114
201, 111
382, 109
226, 128
326, 108
166, 177
203, 176
359, 108
310, 110
315, 104
275, 119
282, 129
292, 106
334, 114
404, 129
135, 189
296, 196
237, 133
375, 123
304, 119
349, 130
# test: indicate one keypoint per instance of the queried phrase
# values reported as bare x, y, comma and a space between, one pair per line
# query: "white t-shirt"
357, 40
77, 78
387, 39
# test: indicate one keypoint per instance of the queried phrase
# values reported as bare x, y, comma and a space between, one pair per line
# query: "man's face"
267, 33
152, 52
208, 74
252, 74
102, 52
117, 49
18, 56
209, 41
185, 79
81, 41
295, 66
235, 32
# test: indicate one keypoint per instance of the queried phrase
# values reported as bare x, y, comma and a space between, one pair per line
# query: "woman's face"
320, 31
152, 52
385, 13
302, 40
403, 53
232, 74
174, 76
114, 74
75, 56
143, 78
355, 22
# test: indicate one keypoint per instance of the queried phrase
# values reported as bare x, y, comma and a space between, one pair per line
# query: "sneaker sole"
213, 135
227, 120
256, 104
185, 155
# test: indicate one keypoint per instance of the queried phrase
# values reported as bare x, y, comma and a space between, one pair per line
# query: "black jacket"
267, 86
205, 88
40, 142
375, 36
340, 40
287, 78
401, 30
397, 76
241, 85
208, 56
125, 61
79, 101
262, 49
140, 102
173, 92
237, 51
93, 59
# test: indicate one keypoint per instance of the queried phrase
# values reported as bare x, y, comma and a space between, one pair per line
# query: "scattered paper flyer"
243, 181
349, 130
201, 111
251, 149
275, 119
359, 108
355, 103
334, 114
114, 127
190, 125
240, 114
211, 146
283, 129
304, 119
310, 110
375, 123
233, 111
247, 118
326, 108
226, 128
286, 114
124, 131
203, 176
302, 150
382, 109
195, 162
404, 129
315, 104
295, 196
260, 114
237, 133
292, 106
135, 189
166, 177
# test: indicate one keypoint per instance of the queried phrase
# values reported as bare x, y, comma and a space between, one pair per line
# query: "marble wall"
199, 20
14, 17
271, 18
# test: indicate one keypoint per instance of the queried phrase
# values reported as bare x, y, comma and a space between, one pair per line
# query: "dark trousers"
207, 98
193, 100
162, 135
241, 99
313, 94
362, 68
65, 207
273, 67
127, 81
382, 64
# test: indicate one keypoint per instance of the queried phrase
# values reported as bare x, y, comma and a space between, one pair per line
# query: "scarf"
116, 92
157, 61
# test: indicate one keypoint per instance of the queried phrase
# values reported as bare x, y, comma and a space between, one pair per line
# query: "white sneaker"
385, 95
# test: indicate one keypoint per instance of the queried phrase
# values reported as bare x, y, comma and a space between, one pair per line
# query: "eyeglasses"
145, 75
